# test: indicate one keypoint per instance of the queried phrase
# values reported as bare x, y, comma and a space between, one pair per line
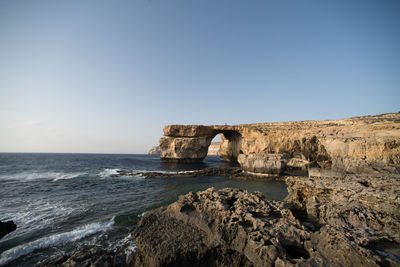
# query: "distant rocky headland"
155, 150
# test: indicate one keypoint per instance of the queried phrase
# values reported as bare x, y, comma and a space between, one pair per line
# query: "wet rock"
227, 171
90, 256
7, 227
232, 172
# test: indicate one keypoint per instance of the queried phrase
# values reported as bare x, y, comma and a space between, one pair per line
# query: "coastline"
343, 185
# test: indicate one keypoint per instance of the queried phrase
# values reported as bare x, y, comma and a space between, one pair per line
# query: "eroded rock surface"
232, 227
263, 163
367, 208
351, 144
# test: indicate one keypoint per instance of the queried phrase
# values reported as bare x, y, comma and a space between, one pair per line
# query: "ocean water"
62, 202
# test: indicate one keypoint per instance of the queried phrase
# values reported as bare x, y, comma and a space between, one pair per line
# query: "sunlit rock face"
352, 145
213, 149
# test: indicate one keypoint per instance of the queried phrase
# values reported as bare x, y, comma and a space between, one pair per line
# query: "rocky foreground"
348, 221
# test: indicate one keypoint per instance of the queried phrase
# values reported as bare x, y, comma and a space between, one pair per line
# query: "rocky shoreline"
347, 220
353, 220
232, 172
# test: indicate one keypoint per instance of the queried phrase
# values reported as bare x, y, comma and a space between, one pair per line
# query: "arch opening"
229, 145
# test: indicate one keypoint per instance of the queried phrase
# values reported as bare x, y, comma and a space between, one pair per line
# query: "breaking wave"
54, 176
49, 241
107, 173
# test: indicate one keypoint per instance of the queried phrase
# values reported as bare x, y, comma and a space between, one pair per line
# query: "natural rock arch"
190, 143
351, 145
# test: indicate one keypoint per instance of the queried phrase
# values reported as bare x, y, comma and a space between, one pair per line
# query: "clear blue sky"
106, 76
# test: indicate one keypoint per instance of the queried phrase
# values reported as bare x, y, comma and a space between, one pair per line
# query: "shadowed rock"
232, 227
7, 227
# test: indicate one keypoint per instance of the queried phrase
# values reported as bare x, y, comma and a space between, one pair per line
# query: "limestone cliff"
352, 145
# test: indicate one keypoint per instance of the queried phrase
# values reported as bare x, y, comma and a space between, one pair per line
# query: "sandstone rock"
155, 150
263, 163
188, 131
232, 227
184, 148
7, 227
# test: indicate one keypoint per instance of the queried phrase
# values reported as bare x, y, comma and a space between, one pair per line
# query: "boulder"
7, 227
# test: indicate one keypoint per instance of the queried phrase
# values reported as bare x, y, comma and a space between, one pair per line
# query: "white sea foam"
64, 176
108, 172
130, 246
54, 240
36, 214
142, 214
27, 176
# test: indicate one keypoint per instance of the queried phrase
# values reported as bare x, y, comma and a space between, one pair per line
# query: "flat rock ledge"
348, 221
232, 172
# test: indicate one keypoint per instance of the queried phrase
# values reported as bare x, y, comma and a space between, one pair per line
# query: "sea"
64, 202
